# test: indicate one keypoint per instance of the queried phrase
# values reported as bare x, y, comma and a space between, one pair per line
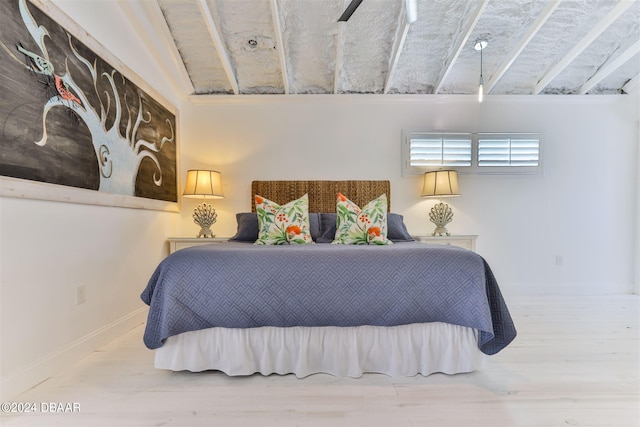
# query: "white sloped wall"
49, 249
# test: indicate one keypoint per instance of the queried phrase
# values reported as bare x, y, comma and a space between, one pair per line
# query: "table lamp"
202, 184
442, 183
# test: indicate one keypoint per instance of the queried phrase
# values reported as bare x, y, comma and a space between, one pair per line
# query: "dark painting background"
68, 158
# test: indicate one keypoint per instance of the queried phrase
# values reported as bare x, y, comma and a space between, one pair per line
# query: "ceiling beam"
275, 15
461, 43
408, 17
217, 42
396, 56
600, 27
633, 85
610, 67
147, 20
535, 28
338, 61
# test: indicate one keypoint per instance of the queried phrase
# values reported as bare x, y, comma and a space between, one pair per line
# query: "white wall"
48, 249
636, 96
581, 210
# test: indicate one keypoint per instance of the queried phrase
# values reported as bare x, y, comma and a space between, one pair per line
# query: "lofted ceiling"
299, 47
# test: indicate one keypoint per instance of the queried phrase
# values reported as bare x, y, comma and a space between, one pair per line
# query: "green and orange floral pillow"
283, 225
366, 226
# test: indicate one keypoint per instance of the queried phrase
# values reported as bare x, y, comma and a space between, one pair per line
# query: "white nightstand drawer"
467, 241
176, 243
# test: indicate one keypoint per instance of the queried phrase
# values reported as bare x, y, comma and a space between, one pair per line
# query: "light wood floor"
575, 362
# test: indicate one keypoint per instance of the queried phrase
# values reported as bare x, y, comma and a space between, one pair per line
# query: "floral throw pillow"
366, 226
283, 225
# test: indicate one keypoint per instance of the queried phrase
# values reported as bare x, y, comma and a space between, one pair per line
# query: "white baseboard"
567, 288
40, 370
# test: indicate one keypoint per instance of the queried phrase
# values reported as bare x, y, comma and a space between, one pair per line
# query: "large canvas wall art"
70, 118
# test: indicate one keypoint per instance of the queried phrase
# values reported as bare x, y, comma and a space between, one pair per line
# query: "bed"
400, 309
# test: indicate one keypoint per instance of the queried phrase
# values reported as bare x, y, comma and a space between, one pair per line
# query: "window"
500, 151
428, 151
491, 153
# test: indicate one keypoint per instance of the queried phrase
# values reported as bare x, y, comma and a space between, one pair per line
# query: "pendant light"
480, 45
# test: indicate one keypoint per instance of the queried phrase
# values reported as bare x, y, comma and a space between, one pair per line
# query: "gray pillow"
327, 228
248, 227
396, 228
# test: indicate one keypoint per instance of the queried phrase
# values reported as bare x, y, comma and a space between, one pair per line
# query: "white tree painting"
125, 126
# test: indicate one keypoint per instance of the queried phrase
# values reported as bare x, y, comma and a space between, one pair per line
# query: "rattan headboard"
322, 194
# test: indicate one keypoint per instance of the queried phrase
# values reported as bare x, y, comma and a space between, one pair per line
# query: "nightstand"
467, 241
176, 243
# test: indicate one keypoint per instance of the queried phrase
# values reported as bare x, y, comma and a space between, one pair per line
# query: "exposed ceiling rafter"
350, 5
338, 61
408, 15
600, 28
610, 67
275, 15
146, 18
535, 28
217, 41
633, 85
461, 44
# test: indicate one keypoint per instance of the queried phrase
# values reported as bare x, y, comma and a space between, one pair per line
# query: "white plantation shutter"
512, 150
471, 153
437, 150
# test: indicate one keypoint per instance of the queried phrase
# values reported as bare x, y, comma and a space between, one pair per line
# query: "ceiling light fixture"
480, 45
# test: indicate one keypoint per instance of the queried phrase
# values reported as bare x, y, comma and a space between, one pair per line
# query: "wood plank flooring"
575, 362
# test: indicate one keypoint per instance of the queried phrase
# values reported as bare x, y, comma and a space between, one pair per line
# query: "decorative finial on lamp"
202, 184
442, 183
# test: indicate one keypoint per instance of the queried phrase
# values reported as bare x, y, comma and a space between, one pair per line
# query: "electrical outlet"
81, 294
559, 260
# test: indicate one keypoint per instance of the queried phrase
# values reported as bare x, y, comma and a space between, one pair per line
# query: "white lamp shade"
440, 184
203, 183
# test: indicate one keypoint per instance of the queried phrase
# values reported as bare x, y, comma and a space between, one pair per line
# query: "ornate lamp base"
441, 215
205, 216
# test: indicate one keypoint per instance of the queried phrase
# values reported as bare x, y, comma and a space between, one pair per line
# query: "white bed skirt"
396, 351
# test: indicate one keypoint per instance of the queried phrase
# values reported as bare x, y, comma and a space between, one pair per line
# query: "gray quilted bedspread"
239, 285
